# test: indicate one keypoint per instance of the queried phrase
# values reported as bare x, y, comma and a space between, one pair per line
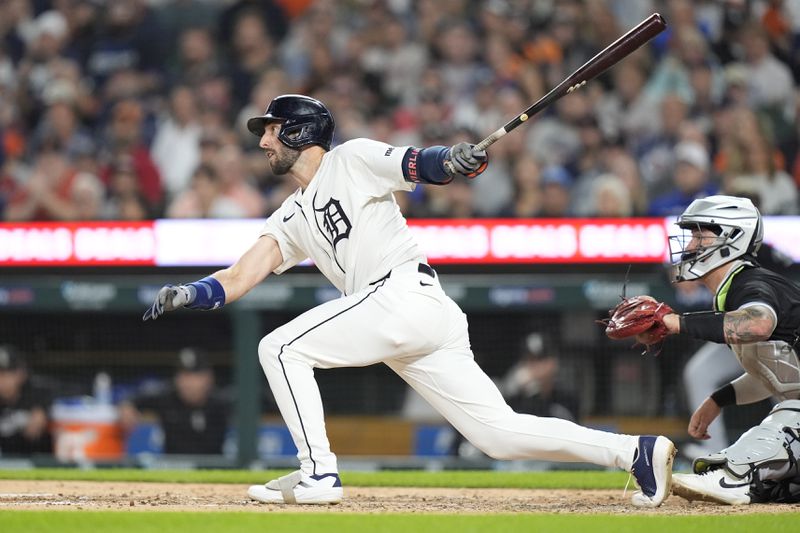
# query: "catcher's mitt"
640, 316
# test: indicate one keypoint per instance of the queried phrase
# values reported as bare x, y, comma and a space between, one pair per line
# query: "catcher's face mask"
714, 231
697, 250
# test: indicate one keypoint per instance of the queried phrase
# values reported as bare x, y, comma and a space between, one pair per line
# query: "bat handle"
490, 140
483, 145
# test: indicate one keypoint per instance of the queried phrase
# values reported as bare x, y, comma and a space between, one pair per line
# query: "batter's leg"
457, 387
357, 330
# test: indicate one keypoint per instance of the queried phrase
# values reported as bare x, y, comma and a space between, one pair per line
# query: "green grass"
139, 522
403, 478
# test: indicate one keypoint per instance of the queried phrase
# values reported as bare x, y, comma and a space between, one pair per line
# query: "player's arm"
753, 323
224, 286
750, 324
251, 269
745, 389
438, 165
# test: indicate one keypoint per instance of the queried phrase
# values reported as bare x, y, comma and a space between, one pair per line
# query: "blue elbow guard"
209, 294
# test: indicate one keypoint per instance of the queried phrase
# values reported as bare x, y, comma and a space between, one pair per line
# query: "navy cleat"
652, 469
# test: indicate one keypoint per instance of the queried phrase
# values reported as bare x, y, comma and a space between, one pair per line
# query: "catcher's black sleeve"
781, 294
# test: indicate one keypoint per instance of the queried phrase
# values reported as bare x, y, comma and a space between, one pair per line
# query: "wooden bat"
607, 58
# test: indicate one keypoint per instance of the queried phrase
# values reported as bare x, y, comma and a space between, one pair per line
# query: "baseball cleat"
712, 486
299, 488
652, 470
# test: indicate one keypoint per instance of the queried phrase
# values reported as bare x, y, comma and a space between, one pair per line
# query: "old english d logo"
334, 221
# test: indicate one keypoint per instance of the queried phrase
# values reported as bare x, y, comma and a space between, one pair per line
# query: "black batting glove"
467, 161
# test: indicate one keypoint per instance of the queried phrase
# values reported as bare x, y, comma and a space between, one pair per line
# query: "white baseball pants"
409, 323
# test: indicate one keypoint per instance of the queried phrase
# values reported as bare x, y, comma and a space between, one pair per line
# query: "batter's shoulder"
362, 147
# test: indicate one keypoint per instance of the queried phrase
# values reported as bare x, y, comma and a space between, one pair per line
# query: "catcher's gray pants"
407, 322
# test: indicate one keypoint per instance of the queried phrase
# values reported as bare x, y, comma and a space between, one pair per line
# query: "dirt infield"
118, 496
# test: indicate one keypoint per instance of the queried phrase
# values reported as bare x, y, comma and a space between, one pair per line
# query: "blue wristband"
209, 294
426, 165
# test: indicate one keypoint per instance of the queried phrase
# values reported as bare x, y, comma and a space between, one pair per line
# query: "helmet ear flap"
294, 133
298, 133
758, 235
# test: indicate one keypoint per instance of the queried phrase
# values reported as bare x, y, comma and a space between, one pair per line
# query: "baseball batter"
392, 310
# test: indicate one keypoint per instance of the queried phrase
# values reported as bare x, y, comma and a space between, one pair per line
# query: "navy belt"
422, 268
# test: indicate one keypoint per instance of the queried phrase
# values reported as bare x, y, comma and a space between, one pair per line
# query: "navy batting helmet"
304, 121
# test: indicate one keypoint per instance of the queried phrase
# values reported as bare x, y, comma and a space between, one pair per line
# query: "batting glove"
169, 298
467, 161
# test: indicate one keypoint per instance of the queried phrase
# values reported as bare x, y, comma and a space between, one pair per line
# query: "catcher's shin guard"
767, 444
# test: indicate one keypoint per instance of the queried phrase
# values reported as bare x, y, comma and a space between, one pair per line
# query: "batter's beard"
284, 160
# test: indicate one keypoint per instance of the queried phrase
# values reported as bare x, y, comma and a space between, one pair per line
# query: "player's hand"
702, 418
169, 298
467, 161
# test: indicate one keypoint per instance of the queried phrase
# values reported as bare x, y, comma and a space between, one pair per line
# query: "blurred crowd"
135, 109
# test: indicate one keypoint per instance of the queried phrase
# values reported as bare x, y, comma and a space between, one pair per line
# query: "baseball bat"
607, 58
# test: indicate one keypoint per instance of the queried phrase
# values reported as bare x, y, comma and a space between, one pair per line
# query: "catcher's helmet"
738, 228
305, 121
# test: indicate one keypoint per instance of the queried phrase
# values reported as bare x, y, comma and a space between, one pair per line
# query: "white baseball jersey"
348, 223
347, 220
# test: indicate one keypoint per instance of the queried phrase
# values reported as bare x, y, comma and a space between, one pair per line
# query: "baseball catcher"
756, 312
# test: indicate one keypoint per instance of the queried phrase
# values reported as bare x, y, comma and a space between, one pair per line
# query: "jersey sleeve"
281, 226
376, 168
753, 291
